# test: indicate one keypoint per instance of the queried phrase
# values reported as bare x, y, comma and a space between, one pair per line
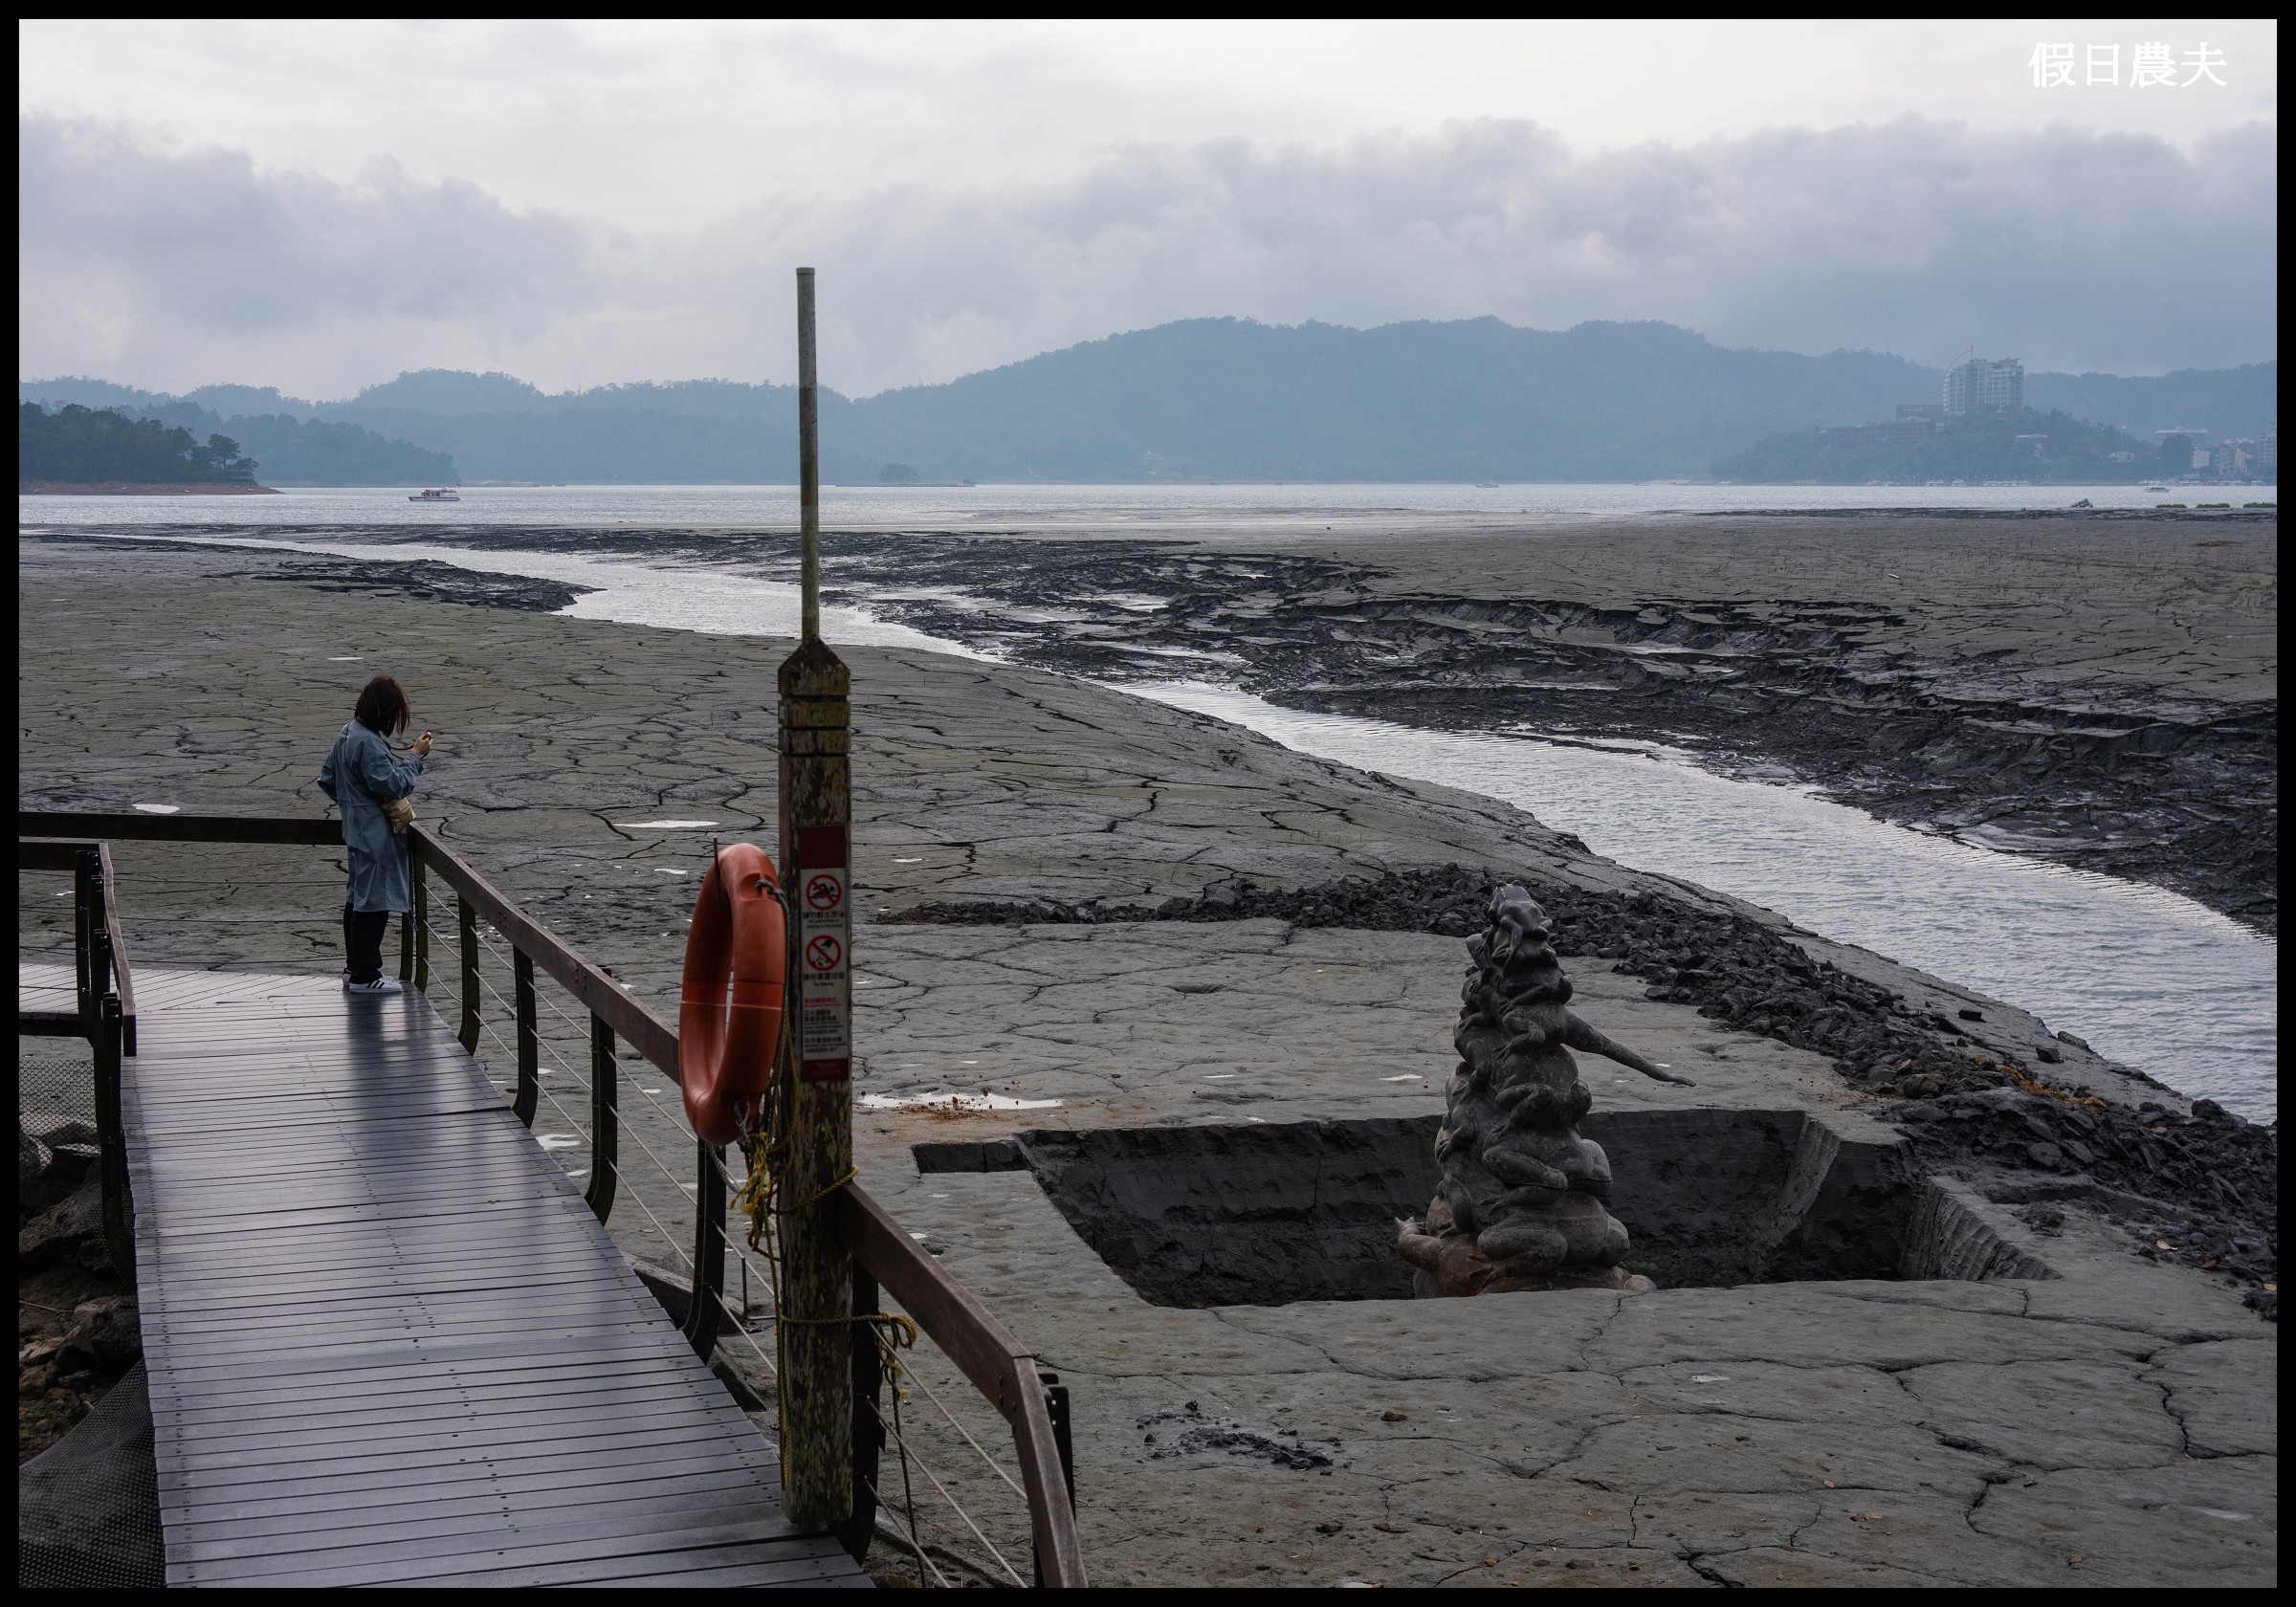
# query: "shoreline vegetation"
139, 487
85, 446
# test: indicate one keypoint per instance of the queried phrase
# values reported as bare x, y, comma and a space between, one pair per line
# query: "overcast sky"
320, 206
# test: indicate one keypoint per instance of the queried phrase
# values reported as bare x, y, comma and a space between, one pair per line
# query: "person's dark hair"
383, 706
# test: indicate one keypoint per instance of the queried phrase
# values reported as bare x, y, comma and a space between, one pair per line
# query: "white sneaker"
381, 984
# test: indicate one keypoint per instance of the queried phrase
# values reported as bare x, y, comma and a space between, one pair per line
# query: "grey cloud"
203, 238
2072, 250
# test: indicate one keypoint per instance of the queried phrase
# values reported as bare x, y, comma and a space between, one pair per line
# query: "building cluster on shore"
1977, 388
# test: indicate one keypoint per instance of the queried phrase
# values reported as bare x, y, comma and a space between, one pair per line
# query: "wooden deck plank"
386, 1342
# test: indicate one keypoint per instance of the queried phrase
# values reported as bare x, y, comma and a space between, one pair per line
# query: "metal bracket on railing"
468, 914
605, 1130
705, 1312
1056, 1406
422, 926
529, 1038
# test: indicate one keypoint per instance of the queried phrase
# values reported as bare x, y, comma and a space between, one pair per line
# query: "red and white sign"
825, 1019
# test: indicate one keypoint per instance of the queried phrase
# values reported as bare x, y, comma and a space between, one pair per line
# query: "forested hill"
1229, 399
85, 445
286, 449
2014, 444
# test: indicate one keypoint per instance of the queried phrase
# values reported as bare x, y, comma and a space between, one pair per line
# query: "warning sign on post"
825, 1019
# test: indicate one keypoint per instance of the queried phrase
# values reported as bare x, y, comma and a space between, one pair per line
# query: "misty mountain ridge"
1222, 399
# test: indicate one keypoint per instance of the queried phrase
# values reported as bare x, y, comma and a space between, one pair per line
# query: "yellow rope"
765, 1151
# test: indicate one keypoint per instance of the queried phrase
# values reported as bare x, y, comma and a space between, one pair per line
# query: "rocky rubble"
2204, 1189
77, 1330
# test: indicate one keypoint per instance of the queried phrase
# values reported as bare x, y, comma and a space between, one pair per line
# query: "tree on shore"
83, 446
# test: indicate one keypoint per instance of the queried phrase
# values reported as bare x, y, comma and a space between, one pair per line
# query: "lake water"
2145, 976
1139, 509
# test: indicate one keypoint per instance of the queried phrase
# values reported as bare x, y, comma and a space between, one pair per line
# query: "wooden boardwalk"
386, 1341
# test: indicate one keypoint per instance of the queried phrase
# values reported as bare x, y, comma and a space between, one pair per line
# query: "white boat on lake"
444, 494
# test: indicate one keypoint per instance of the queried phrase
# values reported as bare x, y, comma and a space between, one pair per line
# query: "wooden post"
469, 914
816, 805
809, 462
816, 813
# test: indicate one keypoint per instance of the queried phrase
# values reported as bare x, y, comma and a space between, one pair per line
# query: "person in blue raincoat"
365, 780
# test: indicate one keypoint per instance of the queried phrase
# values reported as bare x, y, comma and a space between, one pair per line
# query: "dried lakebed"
2112, 1420
2149, 978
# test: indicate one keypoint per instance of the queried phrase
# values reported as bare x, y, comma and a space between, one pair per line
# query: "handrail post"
422, 922
605, 1132
530, 1039
816, 815
84, 991
116, 969
705, 1313
469, 920
111, 1133
99, 953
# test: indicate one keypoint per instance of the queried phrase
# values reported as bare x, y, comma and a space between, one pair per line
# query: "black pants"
363, 941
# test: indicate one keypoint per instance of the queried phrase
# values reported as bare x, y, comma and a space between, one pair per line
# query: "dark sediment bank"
427, 579
2204, 1186
2203, 1190
2153, 784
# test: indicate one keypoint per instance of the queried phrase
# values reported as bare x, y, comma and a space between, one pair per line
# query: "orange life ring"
725, 1045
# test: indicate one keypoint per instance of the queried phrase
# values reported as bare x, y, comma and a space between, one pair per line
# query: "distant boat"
1487, 485
444, 494
2156, 488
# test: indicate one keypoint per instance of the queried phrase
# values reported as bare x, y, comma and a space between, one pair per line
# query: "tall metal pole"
809, 456
816, 809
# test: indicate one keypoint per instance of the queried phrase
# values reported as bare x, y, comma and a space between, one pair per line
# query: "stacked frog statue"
1521, 1201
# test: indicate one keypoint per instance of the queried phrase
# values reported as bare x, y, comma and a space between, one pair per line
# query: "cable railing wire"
739, 1321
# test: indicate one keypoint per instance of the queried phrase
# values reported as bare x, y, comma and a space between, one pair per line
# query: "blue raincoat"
361, 775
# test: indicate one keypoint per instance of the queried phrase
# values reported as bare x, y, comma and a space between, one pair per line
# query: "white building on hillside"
1978, 385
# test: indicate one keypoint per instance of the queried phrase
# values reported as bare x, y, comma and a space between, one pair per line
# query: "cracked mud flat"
2112, 1423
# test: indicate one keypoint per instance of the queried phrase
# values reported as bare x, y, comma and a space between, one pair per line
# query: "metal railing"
1030, 1400
104, 1012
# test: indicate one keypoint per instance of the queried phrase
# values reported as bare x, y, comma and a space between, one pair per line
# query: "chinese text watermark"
2151, 65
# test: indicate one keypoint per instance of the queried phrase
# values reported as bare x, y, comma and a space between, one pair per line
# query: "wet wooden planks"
387, 1343
47, 987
